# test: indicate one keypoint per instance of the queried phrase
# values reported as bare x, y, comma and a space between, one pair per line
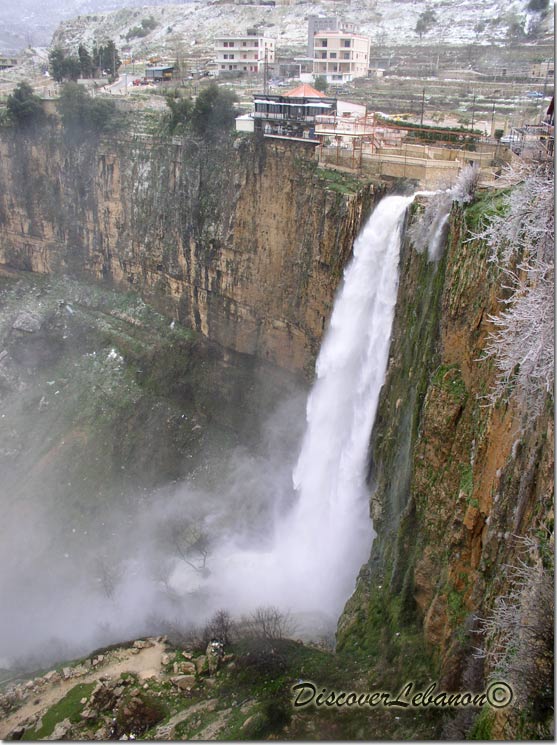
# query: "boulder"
201, 664
28, 322
61, 731
165, 659
187, 668
184, 682
143, 644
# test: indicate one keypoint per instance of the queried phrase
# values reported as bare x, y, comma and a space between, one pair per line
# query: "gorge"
246, 244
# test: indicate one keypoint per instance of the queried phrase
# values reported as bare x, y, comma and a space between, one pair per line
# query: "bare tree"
521, 238
269, 623
109, 574
518, 633
190, 543
220, 626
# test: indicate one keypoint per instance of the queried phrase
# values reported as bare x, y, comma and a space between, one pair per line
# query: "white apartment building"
246, 54
340, 57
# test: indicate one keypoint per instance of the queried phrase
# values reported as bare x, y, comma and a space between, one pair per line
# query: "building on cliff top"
340, 57
290, 115
326, 23
244, 54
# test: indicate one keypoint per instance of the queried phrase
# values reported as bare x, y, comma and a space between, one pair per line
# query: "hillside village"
339, 86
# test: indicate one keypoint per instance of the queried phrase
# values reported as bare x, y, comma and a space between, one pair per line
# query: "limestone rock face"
244, 244
453, 478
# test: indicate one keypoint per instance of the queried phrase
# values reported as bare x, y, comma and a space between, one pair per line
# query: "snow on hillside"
390, 22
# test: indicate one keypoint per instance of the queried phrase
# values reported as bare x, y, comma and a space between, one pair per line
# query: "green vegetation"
69, 707
24, 107
431, 133
146, 26
85, 64
449, 378
320, 83
81, 114
426, 21
63, 67
467, 480
211, 115
481, 729
342, 183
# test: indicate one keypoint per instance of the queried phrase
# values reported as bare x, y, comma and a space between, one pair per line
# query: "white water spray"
320, 545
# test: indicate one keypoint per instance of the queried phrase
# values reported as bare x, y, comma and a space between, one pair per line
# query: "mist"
280, 518
135, 567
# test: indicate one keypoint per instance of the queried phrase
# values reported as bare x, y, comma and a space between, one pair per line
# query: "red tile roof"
305, 91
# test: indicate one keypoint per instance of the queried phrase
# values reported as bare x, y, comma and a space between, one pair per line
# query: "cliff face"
243, 242
458, 486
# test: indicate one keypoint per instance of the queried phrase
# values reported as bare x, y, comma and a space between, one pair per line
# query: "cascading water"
322, 542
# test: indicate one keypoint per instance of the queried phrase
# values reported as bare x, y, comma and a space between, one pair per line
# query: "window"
333, 55
346, 42
323, 42
345, 55
243, 43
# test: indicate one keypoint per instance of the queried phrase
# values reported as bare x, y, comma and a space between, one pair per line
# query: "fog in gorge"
283, 522
140, 564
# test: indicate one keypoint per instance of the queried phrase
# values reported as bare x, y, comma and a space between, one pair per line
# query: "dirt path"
145, 663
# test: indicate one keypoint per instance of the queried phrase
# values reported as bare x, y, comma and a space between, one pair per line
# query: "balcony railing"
282, 117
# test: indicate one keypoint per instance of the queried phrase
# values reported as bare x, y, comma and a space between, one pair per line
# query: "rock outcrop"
243, 241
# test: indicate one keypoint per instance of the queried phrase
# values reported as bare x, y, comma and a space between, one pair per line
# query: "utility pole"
266, 71
493, 120
423, 103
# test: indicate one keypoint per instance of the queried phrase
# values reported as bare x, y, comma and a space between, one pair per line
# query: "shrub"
24, 107
83, 114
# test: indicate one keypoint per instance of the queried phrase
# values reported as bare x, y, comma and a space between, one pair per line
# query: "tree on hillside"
85, 62
63, 67
213, 112
72, 68
24, 107
82, 114
538, 6
426, 21
106, 57
56, 64
320, 83
179, 116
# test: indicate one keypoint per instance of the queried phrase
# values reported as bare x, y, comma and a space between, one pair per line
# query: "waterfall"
321, 543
